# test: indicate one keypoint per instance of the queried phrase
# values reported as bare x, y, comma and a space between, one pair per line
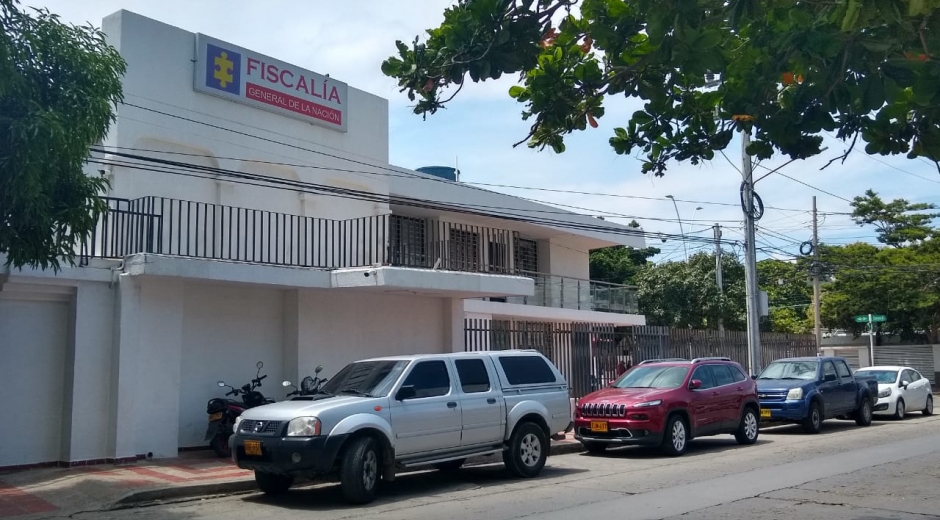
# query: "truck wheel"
219, 445
928, 409
900, 410
595, 447
528, 450
676, 437
813, 421
272, 484
451, 465
748, 430
360, 470
863, 415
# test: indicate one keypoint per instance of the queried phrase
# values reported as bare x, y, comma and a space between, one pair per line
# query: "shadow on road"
697, 447
828, 427
410, 485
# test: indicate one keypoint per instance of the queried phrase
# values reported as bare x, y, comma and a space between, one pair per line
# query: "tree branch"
845, 155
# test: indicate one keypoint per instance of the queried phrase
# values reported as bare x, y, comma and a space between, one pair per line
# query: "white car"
900, 390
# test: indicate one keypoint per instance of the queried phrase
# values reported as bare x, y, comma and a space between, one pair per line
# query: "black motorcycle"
222, 412
308, 386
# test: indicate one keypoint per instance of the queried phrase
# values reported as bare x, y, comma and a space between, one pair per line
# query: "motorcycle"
223, 412
308, 386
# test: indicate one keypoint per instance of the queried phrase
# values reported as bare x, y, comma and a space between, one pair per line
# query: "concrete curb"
150, 496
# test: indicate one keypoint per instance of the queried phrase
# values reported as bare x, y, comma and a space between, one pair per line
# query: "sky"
350, 39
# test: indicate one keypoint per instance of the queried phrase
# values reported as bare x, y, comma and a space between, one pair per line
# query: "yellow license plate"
599, 426
764, 413
253, 448
215, 417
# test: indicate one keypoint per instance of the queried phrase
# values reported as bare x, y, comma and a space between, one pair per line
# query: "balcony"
180, 228
574, 293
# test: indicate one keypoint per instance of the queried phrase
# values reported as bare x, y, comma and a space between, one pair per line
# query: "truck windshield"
805, 370
885, 377
653, 377
365, 378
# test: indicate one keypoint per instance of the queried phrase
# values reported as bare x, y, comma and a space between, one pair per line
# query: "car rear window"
722, 375
526, 370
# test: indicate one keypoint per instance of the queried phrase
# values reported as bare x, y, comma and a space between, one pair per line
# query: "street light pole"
682, 231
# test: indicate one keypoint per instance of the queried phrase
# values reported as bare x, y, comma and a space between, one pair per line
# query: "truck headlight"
238, 421
303, 427
884, 393
649, 404
795, 394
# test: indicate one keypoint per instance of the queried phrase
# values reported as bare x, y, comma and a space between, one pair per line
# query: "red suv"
667, 402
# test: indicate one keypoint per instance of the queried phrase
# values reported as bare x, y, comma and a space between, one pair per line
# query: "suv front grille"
772, 396
603, 410
259, 427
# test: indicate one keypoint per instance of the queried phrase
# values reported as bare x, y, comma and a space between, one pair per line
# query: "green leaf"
851, 15
515, 91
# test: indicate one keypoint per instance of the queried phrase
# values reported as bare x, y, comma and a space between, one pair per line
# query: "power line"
395, 172
889, 165
814, 187
178, 168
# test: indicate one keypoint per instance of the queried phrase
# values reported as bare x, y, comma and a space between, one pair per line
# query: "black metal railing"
432, 244
175, 227
203, 230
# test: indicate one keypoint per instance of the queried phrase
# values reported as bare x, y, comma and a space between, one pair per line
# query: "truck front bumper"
288, 455
791, 410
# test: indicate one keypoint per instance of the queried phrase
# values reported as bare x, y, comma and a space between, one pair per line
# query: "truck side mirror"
695, 384
405, 392
829, 377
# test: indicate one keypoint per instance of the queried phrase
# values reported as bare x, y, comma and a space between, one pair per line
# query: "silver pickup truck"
381, 415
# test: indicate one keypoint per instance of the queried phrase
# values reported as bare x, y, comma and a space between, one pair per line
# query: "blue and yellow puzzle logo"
223, 69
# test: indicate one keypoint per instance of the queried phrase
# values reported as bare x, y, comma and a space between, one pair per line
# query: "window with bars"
408, 241
463, 250
525, 255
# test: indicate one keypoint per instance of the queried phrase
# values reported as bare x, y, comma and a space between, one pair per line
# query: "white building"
272, 228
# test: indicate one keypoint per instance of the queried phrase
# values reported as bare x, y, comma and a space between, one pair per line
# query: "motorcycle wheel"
219, 445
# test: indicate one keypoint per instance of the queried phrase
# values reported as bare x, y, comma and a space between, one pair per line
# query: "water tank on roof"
444, 172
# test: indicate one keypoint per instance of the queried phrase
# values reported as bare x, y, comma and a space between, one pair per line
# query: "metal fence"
202, 230
591, 356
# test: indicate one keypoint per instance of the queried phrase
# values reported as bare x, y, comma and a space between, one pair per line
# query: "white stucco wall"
160, 77
226, 331
337, 327
90, 365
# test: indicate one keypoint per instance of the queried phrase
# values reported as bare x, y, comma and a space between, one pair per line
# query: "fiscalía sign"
244, 76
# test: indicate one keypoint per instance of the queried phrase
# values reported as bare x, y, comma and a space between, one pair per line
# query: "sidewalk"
39, 493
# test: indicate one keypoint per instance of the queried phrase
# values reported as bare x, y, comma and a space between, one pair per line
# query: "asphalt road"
890, 470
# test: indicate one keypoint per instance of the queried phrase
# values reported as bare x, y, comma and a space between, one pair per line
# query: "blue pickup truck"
810, 390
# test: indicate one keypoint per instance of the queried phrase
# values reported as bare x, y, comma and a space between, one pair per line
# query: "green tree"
684, 294
896, 221
789, 293
901, 283
58, 87
788, 70
619, 264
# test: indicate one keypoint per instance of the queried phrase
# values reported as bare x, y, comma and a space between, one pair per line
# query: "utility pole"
817, 293
750, 260
718, 281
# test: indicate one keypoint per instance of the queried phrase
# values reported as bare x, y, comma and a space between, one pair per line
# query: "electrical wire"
200, 171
